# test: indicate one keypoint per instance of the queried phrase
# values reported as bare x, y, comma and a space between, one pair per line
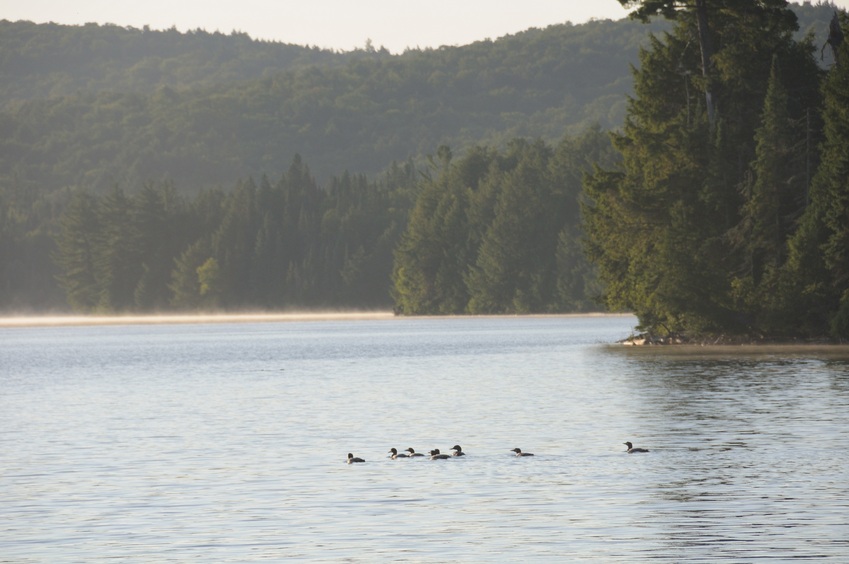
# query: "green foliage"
280, 246
774, 198
77, 252
209, 282
817, 268
109, 124
676, 239
205, 110
27, 228
115, 253
491, 233
51, 60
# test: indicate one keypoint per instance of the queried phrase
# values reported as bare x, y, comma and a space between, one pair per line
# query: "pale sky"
336, 24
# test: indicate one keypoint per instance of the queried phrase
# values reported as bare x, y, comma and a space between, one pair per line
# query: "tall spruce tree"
158, 214
774, 197
514, 270
817, 272
433, 256
234, 243
76, 254
659, 228
118, 262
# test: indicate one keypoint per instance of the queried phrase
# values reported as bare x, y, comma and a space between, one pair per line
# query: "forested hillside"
146, 170
153, 116
94, 106
52, 60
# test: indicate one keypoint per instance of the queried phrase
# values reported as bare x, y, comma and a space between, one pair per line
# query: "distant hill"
94, 106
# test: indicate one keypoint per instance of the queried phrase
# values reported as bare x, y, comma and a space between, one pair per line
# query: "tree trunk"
707, 53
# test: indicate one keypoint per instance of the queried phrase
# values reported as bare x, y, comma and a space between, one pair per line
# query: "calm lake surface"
227, 441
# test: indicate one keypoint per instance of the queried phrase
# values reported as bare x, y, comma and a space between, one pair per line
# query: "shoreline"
70, 320
184, 319
645, 340
832, 351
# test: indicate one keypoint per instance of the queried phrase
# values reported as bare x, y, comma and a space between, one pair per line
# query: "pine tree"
659, 230
233, 246
431, 258
77, 247
118, 261
819, 253
775, 196
158, 214
514, 271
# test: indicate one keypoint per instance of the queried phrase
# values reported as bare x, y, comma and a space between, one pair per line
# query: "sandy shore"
836, 351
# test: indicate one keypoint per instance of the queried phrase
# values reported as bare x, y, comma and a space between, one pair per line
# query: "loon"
631, 448
395, 454
519, 452
458, 451
352, 459
413, 453
435, 455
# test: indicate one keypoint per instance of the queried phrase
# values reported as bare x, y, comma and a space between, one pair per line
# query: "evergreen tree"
514, 271
76, 253
268, 266
818, 266
659, 230
233, 246
185, 282
431, 258
158, 215
578, 287
670, 10
118, 260
499, 233
302, 211
774, 198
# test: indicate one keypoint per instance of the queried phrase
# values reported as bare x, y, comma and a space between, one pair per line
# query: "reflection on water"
754, 436
227, 442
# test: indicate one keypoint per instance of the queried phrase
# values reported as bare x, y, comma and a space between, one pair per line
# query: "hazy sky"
337, 24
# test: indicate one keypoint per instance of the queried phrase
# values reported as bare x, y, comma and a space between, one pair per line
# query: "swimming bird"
519, 452
632, 450
395, 454
435, 455
413, 453
458, 451
352, 459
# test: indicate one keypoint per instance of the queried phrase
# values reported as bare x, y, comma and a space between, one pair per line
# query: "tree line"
263, 245
93, 106
728, 215
719, 207
500, 232
354, 244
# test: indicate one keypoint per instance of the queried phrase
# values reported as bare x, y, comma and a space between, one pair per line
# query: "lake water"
226, 442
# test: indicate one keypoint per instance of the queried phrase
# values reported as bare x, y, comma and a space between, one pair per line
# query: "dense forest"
289, 243
171, 106
152, 170
729, 213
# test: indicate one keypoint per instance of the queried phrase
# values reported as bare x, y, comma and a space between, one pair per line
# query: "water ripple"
225, 442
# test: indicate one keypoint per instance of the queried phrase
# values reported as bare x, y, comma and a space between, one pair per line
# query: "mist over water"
167, 319
227, 441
